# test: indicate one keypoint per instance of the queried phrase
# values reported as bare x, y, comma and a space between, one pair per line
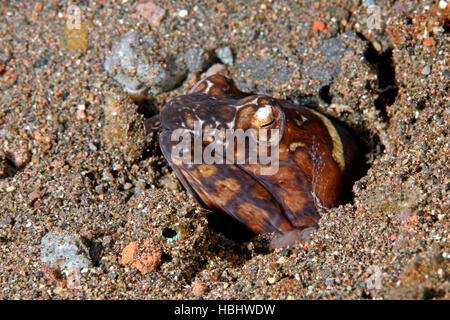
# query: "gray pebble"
92, 147
225, 55
426, 70
64, 250
131, 63
196, 60
368, 3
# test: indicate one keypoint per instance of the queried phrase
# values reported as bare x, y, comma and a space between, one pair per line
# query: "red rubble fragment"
319, 26
151, 12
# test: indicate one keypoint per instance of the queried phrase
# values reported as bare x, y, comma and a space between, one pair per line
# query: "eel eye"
268, 124
264, 117
267, 120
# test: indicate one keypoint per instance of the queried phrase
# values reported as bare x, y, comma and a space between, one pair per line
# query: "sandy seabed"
74, 159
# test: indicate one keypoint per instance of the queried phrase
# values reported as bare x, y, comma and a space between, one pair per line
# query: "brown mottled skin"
316, 157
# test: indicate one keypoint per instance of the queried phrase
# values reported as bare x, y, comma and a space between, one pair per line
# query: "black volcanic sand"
73, 157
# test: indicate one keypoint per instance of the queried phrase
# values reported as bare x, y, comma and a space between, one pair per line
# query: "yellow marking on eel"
207, 170
338, 148
253, 215
225, 190
295, 145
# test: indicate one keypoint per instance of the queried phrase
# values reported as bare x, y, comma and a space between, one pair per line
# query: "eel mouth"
152, 124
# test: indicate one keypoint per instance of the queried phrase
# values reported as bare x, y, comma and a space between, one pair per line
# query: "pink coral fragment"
151, 12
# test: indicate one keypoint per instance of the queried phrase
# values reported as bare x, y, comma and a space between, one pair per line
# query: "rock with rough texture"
123, 128
132, 64
225, 55
197, 59
64, 250
142, 255
151, 12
